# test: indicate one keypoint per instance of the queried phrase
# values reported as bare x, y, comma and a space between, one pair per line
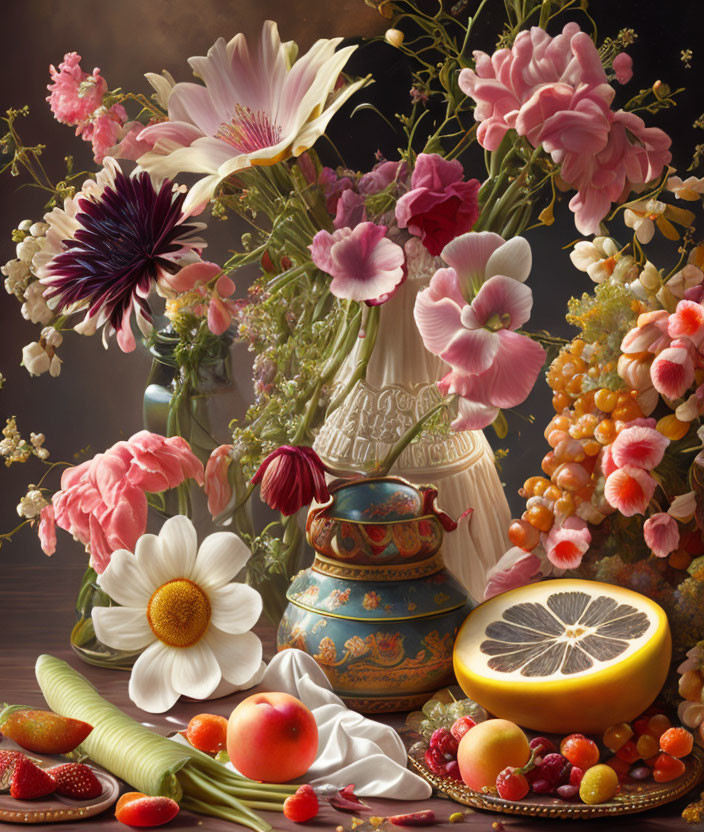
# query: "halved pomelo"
560, 656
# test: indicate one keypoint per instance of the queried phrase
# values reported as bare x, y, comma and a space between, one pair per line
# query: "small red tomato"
207, 732
137, 809
301, 806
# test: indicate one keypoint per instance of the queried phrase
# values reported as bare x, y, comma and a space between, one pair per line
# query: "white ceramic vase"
400, 386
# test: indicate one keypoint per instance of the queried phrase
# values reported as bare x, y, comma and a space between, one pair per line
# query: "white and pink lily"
254, 108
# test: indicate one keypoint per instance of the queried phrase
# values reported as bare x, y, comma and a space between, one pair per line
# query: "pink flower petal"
643, 447
217, 482
191, 276
629, 490
473, 415
662, 534
469, 254
672, 372
47, 530
365, 263
687, 322
565, 546
515, 568
623, 67
501, 297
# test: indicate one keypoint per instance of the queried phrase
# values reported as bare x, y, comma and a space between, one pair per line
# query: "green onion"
153, 764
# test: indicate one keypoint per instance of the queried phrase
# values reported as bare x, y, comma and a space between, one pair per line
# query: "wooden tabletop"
36, 615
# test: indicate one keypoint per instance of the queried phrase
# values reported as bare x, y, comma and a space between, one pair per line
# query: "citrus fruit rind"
565, 655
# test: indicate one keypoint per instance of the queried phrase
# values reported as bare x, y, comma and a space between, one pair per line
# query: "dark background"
97, 398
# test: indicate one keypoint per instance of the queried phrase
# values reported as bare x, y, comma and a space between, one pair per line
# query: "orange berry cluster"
584, 423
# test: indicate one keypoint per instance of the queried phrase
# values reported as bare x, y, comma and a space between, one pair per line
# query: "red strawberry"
30, 781
76, 780
301, 806
43, 731
137, 809
8, 761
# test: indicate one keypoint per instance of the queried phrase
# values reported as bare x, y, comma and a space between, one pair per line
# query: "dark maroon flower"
440, 205
291, 477
108, 247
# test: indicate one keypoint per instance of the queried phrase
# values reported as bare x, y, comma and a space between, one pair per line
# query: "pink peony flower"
629, 490
672, 371
75, 95
642, 447
515, 568
218, 487
440, 205
47, 530
623, 67
491, 366
687, 322
565, 545
102, 502
363, 262
291, 477
662, 534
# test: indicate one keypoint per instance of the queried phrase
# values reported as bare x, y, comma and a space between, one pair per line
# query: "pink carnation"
515, 568
662, 534
629, 490
75, 95
642, 447
102, 502
565, 545
440, 205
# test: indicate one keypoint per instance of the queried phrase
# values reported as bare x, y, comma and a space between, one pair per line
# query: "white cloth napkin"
351, 748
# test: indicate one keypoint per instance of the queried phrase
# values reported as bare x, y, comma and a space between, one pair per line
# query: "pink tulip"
565, 545
662, 534
515, 568
623, 67
364, 264
629, 490
218, 487
440, 205
672, 371
291, 477
642, 447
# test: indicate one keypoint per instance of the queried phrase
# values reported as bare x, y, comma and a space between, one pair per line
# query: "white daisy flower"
179, 606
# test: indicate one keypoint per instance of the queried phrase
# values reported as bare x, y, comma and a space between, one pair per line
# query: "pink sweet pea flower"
515, 568
218, 487
75, 95
642, 447
491, 366
364, 264
623, 67
440, 205
565, 545
687, 322
672, 370
629, 490
662, 534
291, 477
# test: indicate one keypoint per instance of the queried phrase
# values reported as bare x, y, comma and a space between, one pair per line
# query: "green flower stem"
383, 467
360, 370
215, 810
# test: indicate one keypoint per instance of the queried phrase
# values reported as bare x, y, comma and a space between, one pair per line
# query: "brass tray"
632, 797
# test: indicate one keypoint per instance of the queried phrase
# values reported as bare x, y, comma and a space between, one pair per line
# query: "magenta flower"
623, 67
103, 503
256, 107
629, 490
350, 210
491, 366
292, 477
440, 205
672, 370
643, 447
75, 95
515, 568
110, 245
381, 176
662, 534
364, 264
217, 486
566, 545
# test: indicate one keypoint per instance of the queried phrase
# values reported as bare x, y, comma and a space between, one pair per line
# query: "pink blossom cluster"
76, 98
555, 92
103, 503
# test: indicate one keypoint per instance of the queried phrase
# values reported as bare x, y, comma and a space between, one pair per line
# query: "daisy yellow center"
179, 613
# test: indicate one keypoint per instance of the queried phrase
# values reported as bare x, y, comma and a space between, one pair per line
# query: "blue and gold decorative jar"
377, 610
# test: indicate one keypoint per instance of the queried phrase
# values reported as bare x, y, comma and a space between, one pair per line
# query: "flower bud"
35, 359
394, 37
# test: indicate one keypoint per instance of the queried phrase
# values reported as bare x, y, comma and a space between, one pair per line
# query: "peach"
488, 748
272, 737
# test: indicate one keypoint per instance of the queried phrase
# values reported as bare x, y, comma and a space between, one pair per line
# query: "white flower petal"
179, 545
512, 259
220, 557
124, 581
239, 656
150, 686
151, 561
235, 608
195, 671
123, 628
